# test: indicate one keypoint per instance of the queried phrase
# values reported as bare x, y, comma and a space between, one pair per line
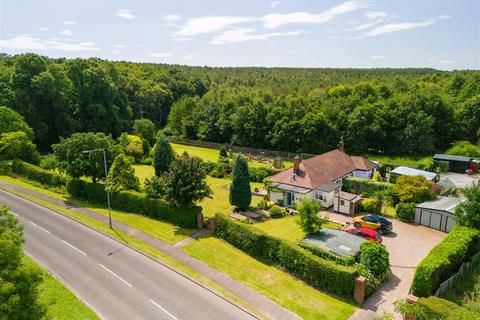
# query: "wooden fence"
465, 268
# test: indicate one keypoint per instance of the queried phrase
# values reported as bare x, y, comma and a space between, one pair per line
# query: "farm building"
407, 171
438, 213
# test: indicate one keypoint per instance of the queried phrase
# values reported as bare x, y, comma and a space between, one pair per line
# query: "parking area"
408, 244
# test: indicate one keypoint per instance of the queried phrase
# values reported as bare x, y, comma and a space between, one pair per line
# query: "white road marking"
36, 225
163, 309
116, 275
73, 247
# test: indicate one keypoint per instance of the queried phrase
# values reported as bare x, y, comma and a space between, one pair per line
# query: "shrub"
319, 273
163, 155
405, 211
17, 145
134, 202
122, 175
240, 192
377, 177
365, 186
467, 213
32, 172
369, 205
155, 187
444, 260
415, 189
265, 205
434, 308
309, 220
375, 258
259, 174
276, 212
222, 153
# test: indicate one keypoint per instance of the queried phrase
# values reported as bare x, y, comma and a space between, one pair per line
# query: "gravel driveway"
408, 244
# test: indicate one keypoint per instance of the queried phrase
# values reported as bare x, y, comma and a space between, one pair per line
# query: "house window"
318, 196
342, 203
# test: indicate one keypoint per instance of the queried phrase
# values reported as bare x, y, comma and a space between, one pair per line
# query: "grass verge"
61, 303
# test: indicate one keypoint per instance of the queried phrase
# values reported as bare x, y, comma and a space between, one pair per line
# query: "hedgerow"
365, 186
33, 172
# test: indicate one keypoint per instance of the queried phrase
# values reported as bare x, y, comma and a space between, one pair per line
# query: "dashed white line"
73, 247
163, 309
115, 275
36, 225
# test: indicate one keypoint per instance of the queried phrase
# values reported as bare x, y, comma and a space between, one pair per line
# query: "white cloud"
375, 14
393, 27
161, 55
66, 32
246, 34
23, 42
210, 24
189, 56
119, 46
69, 22
275, 20
274, 4
366, 25
376, 57
125, 13
171, 20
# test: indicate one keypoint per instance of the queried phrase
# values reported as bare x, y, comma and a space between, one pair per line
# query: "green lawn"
61, 303
270, 281
287, 228
411, 161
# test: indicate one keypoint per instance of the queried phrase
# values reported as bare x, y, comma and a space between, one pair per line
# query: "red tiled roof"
323, 169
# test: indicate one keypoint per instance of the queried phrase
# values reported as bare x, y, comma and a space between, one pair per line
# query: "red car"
367, 234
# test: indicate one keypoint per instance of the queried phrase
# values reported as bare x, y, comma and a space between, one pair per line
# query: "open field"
270, 281
60, 303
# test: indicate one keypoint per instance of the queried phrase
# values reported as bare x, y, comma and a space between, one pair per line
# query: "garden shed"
438, 213
346, 203
455, 163
407, 171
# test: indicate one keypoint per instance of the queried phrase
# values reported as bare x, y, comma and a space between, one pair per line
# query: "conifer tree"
240, 192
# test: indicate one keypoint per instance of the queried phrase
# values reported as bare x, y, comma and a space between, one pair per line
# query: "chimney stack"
341, 144
296, 165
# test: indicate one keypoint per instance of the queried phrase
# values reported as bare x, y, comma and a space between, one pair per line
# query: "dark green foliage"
122, 175
365, 186
11, 121
467, 213
163, 155
240, 192
370, 206
155, 187
438, 308
19, 283
71, 156
465, 149
319, 273
222, 153
134, 202
146, 129
374, 256
309, 220
17, 145
405, 211
444, 260
319, 252
145, 148
32, 172
185, 182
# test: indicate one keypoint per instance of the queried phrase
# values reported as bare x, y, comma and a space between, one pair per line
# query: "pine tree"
163, 155
122, 175
240, 192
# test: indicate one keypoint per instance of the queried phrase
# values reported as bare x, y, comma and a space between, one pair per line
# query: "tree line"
392, 111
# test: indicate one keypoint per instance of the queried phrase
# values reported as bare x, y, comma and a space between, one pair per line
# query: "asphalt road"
114, 280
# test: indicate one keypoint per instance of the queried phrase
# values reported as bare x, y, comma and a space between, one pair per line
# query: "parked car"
367, 234
374, 222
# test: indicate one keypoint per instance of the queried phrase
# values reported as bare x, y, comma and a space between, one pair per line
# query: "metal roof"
407, 171
447, 157
338, 242
447, 204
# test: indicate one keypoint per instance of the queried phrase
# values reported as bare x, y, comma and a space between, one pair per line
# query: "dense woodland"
393, 111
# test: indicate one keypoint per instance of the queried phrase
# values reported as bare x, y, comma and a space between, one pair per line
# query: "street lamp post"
106, 182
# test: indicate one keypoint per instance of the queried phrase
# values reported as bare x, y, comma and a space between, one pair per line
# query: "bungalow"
318, 178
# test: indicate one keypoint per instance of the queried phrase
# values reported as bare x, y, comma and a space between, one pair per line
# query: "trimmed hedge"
319, 273
134, 202
33, 172
444, 260
365, 186
405, 211
221, 170
438, 308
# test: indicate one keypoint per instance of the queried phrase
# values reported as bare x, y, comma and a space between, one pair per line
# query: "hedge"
221, 170
444, 260
319, 273
405, 211
33, 172
365, 186
438, 308
134, 202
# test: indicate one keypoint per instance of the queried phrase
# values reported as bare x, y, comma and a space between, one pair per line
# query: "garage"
438, 214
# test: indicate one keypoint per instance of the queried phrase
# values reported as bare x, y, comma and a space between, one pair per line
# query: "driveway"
408, 244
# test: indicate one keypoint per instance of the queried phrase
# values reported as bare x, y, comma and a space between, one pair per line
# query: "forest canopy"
415, 111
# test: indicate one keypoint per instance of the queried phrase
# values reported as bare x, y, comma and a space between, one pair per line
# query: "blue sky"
443, 34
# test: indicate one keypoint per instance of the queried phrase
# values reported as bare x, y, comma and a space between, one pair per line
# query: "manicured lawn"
271, 282
61, 303
143, 171
287, 228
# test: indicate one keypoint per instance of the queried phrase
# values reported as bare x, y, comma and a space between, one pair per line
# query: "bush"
444, 260
309, 220
438, 308
277, 212
405, 211
32, 172
155, 187
365, 186
369, 205
134, 202
375, 258
319, 273
414, 189
259, 174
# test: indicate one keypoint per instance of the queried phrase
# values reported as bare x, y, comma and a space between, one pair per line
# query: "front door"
288, 198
